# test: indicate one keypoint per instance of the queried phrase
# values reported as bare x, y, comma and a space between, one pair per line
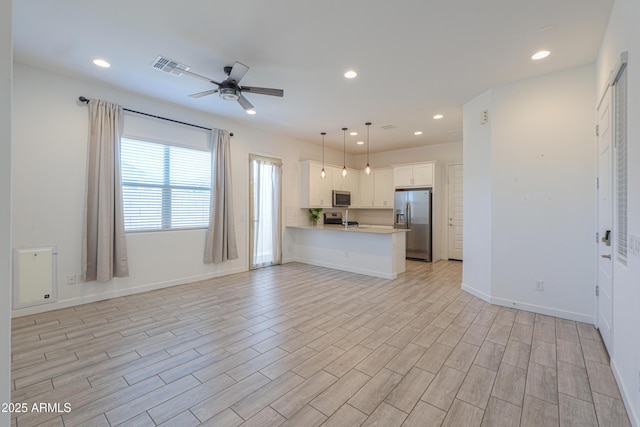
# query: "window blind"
164, 186
621, 165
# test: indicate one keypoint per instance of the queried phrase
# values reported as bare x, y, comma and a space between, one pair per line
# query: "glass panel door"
265, 212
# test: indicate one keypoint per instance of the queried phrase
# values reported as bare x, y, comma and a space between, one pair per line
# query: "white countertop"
376, 229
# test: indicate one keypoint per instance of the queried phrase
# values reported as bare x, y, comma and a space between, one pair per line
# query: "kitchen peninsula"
370, 250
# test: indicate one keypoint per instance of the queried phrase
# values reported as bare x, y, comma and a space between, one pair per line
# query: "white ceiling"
415, 58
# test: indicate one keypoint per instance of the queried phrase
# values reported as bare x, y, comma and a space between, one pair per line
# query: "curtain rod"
86, 101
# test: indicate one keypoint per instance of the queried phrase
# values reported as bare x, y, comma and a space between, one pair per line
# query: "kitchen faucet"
346, 217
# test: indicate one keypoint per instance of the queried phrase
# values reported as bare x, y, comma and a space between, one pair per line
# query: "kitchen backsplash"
373, 216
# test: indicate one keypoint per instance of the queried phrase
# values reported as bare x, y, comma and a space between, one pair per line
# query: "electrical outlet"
484, 117
539, 285
71, 279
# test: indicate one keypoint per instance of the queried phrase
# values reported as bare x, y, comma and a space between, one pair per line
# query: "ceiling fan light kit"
229, 89
228, 93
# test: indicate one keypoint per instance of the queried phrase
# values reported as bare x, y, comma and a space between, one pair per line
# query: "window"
164, 187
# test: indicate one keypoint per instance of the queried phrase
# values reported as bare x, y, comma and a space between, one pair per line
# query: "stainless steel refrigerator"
412, 210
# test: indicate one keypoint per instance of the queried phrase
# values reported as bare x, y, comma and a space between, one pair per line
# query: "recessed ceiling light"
353, 133
101, 63
540, 55
251, 111
438, 116
351, 74
418, 132
360, 142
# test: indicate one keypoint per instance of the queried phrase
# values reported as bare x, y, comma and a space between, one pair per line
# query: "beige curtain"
104, 251
221, 235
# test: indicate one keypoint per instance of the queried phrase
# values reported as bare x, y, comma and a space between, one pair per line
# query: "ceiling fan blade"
245, 103
263, 90
199, 76
238, 71
201, 94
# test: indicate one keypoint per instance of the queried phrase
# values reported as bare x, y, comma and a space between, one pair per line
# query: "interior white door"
604, 315
455, 212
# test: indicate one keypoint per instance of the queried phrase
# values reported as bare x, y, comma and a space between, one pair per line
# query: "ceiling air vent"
387, 127
169, 66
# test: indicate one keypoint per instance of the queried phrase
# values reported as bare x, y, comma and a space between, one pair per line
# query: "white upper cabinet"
366, 191
414, 175
315, 192
376, 190
348, 183
383, 188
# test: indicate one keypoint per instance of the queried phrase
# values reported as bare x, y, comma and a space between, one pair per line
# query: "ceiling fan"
230, 89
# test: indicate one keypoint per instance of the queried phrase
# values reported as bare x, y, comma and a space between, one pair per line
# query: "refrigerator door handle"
408, 219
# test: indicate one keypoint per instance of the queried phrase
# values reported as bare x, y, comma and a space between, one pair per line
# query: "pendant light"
344, 152
367, 170
323, 174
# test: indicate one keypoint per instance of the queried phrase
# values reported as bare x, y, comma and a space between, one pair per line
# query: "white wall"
49, 160
623, 35
543, 192
6, 62
539, 179
477, 233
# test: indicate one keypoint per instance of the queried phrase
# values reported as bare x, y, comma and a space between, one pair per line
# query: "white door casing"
455, 212
604, 314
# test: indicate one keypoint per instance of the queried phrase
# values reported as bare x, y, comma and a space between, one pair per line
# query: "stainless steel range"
336, 219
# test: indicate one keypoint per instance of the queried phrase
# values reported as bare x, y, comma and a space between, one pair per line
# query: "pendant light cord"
368, 124
322, 172
344, 152
323, 134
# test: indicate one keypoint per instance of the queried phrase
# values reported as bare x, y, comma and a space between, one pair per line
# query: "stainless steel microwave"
341, 198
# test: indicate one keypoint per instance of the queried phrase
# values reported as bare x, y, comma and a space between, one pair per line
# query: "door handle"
606, 256
408, 219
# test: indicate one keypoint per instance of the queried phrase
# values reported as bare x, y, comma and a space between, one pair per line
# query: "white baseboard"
564, 314
119, 293
626, 397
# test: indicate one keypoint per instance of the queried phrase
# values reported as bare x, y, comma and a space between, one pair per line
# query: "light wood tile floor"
299, 345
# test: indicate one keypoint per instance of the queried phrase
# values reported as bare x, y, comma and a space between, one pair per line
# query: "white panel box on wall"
34, 278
